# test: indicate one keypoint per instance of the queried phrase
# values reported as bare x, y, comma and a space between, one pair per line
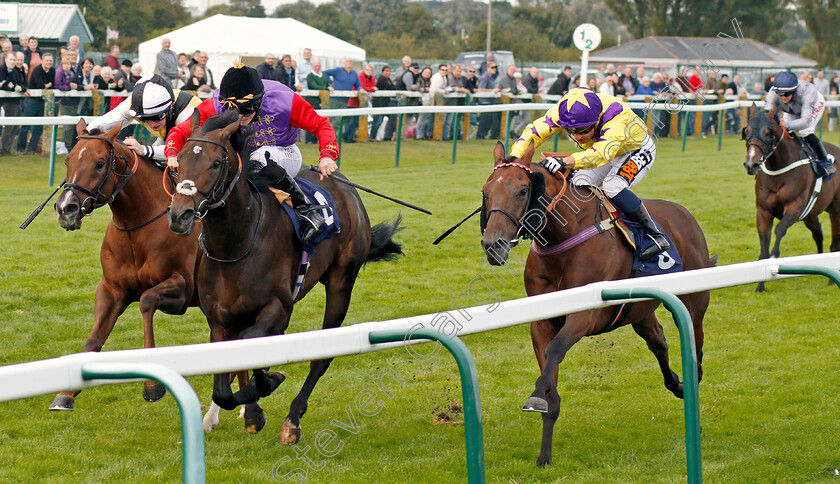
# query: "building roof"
722, 52
52, 22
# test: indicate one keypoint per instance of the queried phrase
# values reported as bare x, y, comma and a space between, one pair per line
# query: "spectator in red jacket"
113, 59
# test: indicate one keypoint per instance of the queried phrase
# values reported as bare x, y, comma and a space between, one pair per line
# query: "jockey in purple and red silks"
275, 113
617, 151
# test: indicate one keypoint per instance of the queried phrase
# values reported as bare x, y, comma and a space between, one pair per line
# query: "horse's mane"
241, 140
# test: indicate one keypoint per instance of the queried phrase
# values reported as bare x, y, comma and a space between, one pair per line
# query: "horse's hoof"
254, 419
153, 393
543, 461
63, 402
679, 391
535, 404
275, 378
290, 434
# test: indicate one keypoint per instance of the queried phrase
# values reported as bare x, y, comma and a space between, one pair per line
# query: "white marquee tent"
226, 38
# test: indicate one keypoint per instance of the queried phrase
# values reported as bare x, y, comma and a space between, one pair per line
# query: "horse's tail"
714, 260
382, 244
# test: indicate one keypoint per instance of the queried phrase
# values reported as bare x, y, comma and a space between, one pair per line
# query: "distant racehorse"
784, 186
556, 263
142, 260
246, 279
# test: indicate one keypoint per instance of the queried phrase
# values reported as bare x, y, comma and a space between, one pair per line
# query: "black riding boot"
310, 217
822, 157
642, 216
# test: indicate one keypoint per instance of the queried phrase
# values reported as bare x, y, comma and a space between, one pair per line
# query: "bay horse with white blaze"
603, 257
784, 185
141, 259
246, 278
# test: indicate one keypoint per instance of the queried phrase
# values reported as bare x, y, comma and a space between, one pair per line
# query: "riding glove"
554, 164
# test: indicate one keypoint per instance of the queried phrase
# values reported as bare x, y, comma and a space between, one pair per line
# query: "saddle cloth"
634, 235
321, 198
663, 263
812, 157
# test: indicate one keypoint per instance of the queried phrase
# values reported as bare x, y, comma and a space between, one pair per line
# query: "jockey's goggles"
580, 129
785, 94
153, 117
246, 110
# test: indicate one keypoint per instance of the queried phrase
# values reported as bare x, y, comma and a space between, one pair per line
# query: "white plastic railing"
482, 108
64, 373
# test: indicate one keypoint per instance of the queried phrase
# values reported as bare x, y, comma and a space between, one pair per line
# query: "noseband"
517, 222
188, 188
767, 147
93, 196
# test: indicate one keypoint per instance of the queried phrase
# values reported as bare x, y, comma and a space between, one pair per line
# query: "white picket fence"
64, 373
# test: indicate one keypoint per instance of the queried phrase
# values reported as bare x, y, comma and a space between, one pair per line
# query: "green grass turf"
768, 398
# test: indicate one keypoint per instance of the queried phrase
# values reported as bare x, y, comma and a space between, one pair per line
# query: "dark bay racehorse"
783, 188
603, 257
142, 260
246, 278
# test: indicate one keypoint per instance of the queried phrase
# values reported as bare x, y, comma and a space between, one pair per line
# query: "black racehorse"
251, 256
784, 184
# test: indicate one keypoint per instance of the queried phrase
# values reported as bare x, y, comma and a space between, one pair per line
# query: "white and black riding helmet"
151, 99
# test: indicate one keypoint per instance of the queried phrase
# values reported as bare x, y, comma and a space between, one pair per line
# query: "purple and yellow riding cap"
579, 107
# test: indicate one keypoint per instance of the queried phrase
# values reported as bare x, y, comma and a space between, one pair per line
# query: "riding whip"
355, 185
452, 229
41, 207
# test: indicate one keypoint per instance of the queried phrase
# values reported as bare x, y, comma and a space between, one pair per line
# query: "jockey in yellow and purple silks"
617, 150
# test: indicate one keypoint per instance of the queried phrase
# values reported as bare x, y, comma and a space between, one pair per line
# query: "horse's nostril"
70, 209
186, 217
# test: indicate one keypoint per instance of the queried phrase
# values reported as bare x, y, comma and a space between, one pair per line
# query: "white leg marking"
211, 418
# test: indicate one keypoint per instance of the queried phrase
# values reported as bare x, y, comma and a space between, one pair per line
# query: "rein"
573, 241
94, 196
189, 189
250, 246
516, 222
766, 153
519, 225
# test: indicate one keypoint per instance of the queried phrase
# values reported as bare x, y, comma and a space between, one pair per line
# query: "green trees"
760, 19
136, 21
821, 18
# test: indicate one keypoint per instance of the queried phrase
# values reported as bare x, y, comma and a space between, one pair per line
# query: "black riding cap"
241, 87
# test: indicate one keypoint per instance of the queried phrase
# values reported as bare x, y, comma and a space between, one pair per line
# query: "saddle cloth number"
328, 218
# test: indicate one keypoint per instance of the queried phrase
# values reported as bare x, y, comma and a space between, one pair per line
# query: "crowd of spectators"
26, 68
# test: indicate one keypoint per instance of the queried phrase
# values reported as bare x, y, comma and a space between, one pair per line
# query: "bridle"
517, 221
93, 196
188, 188
767, 147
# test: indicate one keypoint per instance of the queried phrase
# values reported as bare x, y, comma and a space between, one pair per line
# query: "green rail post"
340, 136
508, 121
721, 126
684, 130
810, 269
691, 398
455, 133
556, 142
473, 431
52, 154
399, 140
188, 403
